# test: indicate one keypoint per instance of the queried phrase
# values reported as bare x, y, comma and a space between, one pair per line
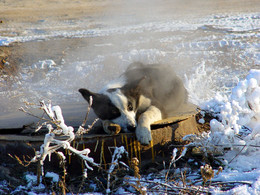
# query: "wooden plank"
186, 111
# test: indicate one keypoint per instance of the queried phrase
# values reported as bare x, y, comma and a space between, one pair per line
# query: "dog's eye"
130, 106
114, 111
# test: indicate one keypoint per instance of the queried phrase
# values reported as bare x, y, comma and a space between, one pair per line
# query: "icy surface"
54, 176
241, 114
221, 48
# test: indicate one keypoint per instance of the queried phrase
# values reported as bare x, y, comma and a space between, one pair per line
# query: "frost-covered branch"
81, 130
52, 143
173, 159
118, 152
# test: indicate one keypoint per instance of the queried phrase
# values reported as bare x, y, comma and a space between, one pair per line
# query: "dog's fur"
142, 95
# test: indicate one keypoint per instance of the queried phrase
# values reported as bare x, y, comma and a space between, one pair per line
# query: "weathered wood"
186, 111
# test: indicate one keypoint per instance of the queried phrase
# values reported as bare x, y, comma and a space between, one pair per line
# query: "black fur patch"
112, 90
102, 105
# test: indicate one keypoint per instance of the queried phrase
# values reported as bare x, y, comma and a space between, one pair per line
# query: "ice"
118, 152
172, 47
255, 74
160, 26
239, 110
54, 176
202, 120
45, 64
235, 23
58, 113
237, 176
31, 180
237, 125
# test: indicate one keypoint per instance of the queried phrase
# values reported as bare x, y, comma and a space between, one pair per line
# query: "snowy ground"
216, 54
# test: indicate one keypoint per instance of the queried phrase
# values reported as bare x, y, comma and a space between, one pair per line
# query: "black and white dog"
142, 95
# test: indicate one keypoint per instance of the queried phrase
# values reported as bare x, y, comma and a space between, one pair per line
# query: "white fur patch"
127, 118
143, 130
117, 83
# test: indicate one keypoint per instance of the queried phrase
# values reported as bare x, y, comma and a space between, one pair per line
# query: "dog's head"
114, 106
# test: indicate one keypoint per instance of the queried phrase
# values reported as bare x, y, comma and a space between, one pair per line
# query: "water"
210, 54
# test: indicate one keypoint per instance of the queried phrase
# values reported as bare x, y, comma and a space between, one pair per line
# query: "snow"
54, 176
31, 180
240, 110
118, 152
237, 126
253, 189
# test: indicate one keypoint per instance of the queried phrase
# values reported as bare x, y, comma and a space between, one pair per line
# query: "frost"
54, 176
31, 180
237, 127
201, 121
118, 152
52, 143
45, 64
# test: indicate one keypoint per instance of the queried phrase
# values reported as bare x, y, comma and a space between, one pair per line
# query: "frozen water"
54, 176
219, 51
238, 127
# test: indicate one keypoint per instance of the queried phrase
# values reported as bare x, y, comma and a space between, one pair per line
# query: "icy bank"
237, 127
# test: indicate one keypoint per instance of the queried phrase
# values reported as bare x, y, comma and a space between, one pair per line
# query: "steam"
101, 48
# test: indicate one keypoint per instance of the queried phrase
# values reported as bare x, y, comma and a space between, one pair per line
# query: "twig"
81, 130
94, 122
173, 160
115, 157
51, 144
62, 181
175, 188
231, 182
239, 145
174, 152
30, 114
52, 115
183, 178
81, 184
88, 110
237, 154
20, 161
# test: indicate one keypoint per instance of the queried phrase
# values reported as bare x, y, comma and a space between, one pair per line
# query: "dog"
141, 96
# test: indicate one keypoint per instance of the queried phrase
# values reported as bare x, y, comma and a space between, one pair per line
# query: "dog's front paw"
143, 135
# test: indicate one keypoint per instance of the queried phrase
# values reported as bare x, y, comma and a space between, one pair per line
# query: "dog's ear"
86, 94
101, 105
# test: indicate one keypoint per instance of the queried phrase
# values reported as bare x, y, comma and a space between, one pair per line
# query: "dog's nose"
131, 128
